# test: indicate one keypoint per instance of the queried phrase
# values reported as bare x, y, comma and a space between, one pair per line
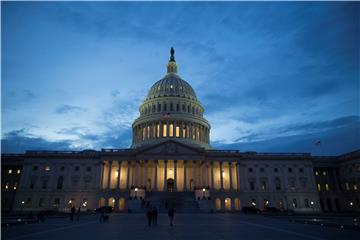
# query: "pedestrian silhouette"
78, 214
154, 216
72, 213
171, 212
149, 216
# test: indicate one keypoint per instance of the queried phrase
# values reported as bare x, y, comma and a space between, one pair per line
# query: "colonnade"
169, 129
184, 175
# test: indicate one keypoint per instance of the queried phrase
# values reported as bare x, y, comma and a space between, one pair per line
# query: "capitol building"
171, 163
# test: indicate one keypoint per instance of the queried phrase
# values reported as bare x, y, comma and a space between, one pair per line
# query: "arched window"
217, 204
101, 202
178, 107
60, 182
277, 184
159, 107
111, 202
171, 130
183, 107
188, 108
237, 204
122, 204
227, 204
193, 110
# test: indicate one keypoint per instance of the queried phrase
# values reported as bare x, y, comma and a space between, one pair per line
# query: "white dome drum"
171, 111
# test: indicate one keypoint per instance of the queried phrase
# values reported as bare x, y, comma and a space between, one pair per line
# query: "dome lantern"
172, 66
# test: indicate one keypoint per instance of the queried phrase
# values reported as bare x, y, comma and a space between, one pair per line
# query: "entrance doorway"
170, 185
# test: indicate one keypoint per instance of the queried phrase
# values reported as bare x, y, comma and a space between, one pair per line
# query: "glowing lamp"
203, 189
136, 189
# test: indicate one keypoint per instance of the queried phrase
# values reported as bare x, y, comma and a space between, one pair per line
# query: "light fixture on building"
116, 173
18, 171
113, 200
136, 189
312, 203
203, 189
170, 171
22, 202
253, 203
267, 202
351, 203
84, 204
223, 173
47, 168
226, 200
7, 186
10, 171
70, 201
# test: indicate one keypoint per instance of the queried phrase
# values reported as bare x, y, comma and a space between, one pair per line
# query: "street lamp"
203, 190
136, 190
22, 206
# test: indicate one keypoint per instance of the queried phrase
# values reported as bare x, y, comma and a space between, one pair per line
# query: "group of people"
73, 211
152, 214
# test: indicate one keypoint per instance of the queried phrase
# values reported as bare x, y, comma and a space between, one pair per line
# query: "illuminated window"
319, 187
184, 132
355, 187
7, 185
164, 130
317, 173
324, 173
177, 131
327, 187
10, 171
157, 130
171, 130
263, 186
15, 185
47, 168
347, 186
18, 171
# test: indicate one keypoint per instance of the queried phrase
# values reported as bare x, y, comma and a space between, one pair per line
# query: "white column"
221, 176
203, 177
175, 176
184, 187
238, 175
109, 176
128, 176
156, 179
230, 176
212, 175
146, 175
118, 177
165, 175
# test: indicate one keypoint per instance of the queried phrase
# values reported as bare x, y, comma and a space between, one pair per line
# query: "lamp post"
136, 190
203, 190
22, 206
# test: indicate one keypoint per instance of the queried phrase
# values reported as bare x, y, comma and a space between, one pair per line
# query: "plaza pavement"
186, 226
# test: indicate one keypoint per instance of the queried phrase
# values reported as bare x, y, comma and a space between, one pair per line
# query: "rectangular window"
327, 188
41, 202
56, 202
10, 171
252, 186
355, 187
18, 171
164, 130
319, 187
306, 201
15, 185
263, 186
294, 203
177, 131
347, 186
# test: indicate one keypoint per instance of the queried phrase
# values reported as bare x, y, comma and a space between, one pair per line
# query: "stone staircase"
182, 202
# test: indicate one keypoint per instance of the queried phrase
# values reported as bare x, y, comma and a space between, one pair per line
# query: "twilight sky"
271, 76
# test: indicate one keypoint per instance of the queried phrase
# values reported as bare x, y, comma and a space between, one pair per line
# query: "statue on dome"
172, 58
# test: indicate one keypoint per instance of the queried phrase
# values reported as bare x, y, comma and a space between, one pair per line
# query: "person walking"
149, 216
78, 214
171, 213
154, 216
72, 213
102, 214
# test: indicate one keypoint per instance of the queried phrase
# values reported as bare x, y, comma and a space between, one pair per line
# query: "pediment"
170, 147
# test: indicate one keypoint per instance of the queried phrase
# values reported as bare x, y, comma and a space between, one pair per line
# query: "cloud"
65, 109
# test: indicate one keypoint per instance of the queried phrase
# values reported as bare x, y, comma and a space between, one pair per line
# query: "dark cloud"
333, 142
65, 109
18, 141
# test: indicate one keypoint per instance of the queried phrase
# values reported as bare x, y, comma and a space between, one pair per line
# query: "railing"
115, 150
224, 151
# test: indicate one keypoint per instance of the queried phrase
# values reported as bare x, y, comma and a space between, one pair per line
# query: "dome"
171, 111
171, 86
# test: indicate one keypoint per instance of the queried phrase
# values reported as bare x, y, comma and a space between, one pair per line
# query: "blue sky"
271, 76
